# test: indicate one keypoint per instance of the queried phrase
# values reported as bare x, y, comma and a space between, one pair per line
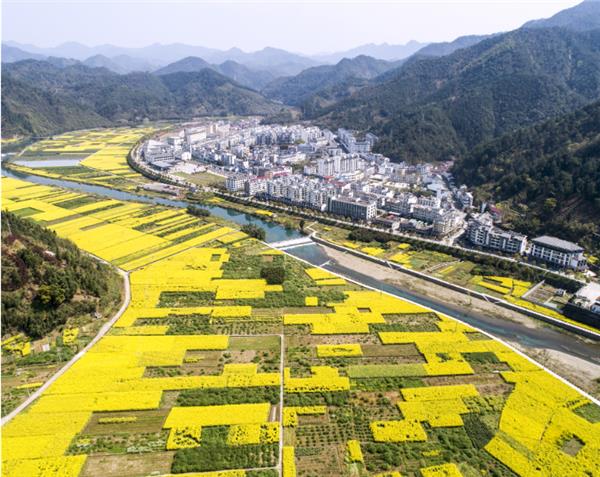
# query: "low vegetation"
47, 279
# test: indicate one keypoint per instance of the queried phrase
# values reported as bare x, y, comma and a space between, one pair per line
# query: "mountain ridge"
547, 176
255, 79
42, 98
435, 108
297, 89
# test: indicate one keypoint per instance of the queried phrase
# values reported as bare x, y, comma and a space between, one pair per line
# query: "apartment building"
481, 232
558, 252
235, 183
355, 208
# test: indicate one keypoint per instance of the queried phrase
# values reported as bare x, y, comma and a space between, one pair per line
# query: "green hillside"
47, 280
548, 175
438, 108
40, 98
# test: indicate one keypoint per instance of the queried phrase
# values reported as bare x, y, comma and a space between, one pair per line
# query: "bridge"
287, 244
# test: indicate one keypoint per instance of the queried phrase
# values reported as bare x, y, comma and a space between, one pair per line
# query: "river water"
538, 337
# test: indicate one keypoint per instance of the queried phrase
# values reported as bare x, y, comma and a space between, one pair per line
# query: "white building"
255, 186
355, 208
446, 221
235, 183
482, 232
558, 252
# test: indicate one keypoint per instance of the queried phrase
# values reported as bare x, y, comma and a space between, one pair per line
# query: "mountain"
437, 108
10, 54
241, 74
295, 90
186, 65
383, 51
28, 110
547, 176
121, 64
448, 47
40, 98
276, 61
101, 61
47, 280
582, 17
255, 79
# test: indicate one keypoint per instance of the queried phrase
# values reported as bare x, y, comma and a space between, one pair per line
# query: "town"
339, 174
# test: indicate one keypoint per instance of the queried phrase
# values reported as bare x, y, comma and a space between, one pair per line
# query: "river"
539, 337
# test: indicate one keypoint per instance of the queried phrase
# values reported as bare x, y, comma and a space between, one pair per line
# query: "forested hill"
295, 90
46, 279
40, 98
549, 174
437, 108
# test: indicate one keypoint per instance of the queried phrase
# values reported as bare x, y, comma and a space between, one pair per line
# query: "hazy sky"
307, 27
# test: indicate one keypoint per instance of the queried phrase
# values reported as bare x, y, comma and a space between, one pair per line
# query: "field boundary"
489, 335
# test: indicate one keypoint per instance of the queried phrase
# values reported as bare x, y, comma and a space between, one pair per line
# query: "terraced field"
190, 379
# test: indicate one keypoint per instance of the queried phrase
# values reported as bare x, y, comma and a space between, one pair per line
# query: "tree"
273, 275
197, 211
254, 231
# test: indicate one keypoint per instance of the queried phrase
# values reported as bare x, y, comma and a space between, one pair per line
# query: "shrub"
254, 231
273, 275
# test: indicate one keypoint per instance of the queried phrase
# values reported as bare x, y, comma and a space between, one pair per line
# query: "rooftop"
558, 244
591, 291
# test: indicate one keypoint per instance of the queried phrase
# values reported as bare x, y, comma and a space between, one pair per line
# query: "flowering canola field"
189, 379
102, 154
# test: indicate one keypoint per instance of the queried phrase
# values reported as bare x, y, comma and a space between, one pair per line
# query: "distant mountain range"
278, 62
255, 79
446, 48
383, 51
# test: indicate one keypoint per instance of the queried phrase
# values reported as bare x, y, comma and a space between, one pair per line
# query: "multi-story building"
558, 252
446, 221
353, 146
402, 204
235, 183
255, 186
464, 197
355, 208
482, 232
391, 222
328, 167
318, 199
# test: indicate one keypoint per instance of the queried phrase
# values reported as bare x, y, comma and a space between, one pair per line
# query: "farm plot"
102, 154
190, 378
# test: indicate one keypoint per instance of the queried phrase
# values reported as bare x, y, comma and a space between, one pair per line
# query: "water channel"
538, 337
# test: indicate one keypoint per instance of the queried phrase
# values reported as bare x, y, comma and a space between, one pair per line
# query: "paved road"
75, 358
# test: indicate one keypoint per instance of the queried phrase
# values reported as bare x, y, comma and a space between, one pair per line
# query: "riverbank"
579, 370
528, 333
